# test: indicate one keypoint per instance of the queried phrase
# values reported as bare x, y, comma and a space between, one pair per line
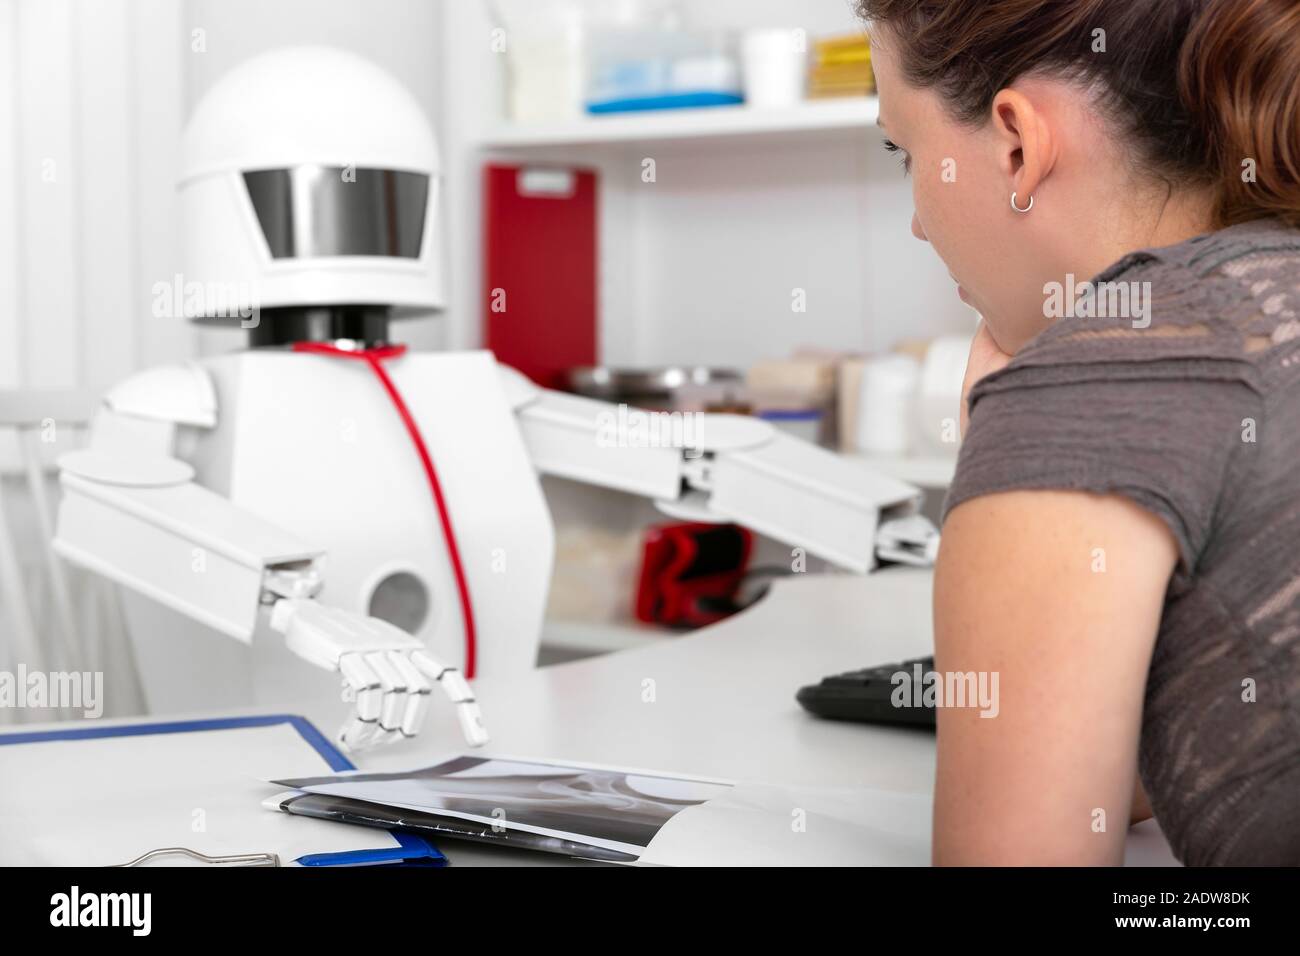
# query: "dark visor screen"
309, 212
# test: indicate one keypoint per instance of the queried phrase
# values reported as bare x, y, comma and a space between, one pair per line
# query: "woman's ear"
1027, 148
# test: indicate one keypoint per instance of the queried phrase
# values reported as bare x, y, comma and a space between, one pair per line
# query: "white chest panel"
315, 444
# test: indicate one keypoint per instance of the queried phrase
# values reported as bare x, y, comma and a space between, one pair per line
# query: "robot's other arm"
133, 513
727, 468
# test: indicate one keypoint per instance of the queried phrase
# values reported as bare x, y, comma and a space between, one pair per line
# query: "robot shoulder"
181, 394
519, 389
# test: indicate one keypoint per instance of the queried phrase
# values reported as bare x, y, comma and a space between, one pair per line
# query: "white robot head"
309, 188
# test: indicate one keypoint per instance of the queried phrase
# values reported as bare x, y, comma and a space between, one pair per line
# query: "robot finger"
429, 665
467, 710
419, 688
471, 723
385, 738
455, 686
355, 735
458, 691
393, 682
363, 684
416, 708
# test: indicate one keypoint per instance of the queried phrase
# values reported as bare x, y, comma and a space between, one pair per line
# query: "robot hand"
387, 670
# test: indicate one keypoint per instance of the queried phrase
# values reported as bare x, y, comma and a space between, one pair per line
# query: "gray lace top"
1188, 404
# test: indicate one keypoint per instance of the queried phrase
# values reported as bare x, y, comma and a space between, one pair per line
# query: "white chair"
56, 618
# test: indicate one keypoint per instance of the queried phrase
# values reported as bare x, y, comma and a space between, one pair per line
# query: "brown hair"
1201, 87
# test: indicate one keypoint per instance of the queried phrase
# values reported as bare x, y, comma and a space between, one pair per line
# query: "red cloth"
375, 359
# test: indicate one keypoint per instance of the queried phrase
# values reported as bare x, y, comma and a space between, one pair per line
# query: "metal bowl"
659, 384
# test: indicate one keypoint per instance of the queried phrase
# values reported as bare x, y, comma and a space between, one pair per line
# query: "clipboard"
411, 849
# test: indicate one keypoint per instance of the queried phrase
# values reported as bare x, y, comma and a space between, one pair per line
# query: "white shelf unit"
852, 115
751, 210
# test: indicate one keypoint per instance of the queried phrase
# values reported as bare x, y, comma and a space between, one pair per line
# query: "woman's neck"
1166, 221
1184, 215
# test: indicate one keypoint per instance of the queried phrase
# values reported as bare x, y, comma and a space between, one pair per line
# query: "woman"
1122, 540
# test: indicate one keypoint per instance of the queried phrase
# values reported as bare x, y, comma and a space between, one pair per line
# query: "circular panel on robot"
402, 600
137, 472
733, 432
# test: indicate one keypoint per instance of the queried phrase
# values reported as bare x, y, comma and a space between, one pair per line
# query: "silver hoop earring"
1017, 208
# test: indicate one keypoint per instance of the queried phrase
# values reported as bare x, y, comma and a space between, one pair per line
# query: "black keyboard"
868, 696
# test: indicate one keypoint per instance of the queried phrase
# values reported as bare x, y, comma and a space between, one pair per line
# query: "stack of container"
841, 66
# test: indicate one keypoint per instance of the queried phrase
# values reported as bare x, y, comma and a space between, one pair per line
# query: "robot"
215, 490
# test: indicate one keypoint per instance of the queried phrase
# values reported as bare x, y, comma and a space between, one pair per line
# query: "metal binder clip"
239, 859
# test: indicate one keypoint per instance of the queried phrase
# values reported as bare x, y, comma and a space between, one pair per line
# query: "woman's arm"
1022, 589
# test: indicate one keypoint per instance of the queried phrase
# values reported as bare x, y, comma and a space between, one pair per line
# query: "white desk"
723, 697
723, 702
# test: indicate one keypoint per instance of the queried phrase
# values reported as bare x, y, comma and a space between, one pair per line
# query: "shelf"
850, 114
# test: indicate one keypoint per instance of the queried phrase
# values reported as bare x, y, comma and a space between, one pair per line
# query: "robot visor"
309, 212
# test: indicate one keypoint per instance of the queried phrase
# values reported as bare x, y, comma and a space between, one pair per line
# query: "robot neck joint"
355, 326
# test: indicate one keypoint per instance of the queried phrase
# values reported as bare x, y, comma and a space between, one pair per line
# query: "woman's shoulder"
1231, 296
1156, 388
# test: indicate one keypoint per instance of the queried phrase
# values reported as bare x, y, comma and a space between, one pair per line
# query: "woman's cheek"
935, 210
923, 202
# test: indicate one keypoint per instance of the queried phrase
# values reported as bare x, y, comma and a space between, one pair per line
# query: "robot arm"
133, 513
721, 468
